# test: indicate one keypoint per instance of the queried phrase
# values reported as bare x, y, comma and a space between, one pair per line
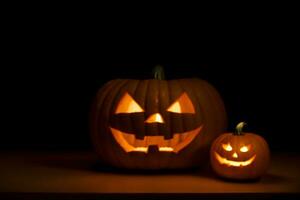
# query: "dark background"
51, 70
48, 99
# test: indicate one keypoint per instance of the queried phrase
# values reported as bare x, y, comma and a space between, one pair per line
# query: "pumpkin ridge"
99, 112
219, 104
212, 101
99, 101
93, 113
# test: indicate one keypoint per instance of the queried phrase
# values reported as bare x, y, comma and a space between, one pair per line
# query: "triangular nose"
235, 155
155, 118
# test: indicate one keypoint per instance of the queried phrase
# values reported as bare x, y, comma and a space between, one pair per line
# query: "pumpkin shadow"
273, 178
266, 179
89, 162
78, 161
203, 171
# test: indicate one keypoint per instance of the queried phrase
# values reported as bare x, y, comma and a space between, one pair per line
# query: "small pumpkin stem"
239, 128
159, 72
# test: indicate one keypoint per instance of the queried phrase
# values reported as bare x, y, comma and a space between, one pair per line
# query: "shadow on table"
89, 162
84, 162
273, 178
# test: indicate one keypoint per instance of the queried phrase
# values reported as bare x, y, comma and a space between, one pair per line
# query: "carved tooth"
130, 143
140, 143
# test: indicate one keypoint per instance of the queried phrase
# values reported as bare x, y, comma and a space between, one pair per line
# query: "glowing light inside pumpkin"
141, 149
129, 143
145, 149
179, 141
182, 105
168, 149
155, 118
175, 107
227, 147
232, 163
128, 105
244, 149
235, 155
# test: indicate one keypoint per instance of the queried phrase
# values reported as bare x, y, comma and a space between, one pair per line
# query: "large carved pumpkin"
155, 124
239, 155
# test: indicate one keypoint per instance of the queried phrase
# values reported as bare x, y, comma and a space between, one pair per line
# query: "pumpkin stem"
239, 128
158, 72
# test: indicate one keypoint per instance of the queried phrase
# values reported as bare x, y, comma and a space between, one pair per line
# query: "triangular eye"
182, 105
128, 105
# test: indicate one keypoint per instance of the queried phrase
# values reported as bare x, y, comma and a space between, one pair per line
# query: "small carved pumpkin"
240, 155
155, 124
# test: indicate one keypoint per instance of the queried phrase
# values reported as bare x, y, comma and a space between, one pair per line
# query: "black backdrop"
48, 99
51, 69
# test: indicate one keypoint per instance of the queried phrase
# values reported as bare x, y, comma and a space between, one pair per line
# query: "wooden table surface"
77, 173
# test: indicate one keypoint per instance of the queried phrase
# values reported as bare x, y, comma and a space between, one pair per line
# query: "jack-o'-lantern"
240, 155
155, 124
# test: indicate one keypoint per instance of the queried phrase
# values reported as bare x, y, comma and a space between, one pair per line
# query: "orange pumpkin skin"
242, 165
155, 96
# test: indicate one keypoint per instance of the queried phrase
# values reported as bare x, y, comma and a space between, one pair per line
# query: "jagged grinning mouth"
130, 144
224, 161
